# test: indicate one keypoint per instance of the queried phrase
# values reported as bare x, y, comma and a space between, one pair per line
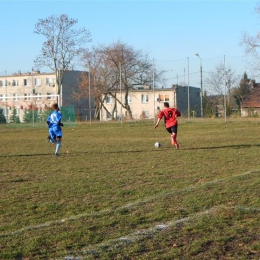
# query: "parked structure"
145, 102
37, 91
251, 104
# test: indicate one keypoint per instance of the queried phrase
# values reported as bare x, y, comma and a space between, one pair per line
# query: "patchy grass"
113, 195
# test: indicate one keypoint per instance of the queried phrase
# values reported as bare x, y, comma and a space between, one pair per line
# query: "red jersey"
170, 116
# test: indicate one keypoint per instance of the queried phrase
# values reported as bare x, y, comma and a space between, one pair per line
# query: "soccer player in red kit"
170, 119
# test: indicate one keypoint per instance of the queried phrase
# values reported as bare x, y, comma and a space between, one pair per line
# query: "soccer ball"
157, 144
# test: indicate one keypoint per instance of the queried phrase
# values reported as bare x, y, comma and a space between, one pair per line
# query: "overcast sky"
172, 32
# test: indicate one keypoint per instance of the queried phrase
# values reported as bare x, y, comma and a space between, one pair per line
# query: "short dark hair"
55, 106
166, 104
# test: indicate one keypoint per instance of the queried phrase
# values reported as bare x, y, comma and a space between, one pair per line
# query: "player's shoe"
57, 154
176, 146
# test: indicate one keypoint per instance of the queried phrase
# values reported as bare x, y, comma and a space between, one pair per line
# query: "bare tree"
222, 78
251, 46
63, 44
107, 63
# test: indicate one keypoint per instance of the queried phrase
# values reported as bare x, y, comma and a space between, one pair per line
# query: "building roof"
253, 98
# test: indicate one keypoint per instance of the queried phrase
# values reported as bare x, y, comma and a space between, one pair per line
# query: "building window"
26, 82
110, 100
26, 97
163, 98
15, 97
129, 99
109, 116
2, 97
145, 115
1, 83
37, 82
50, 82
145, 98
15, 82
38, 96
50, 97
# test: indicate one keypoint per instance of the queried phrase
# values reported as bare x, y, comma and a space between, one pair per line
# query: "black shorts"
172, 129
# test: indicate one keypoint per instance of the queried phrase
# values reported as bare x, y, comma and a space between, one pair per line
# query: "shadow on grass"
162, 149
27, 155
236, 146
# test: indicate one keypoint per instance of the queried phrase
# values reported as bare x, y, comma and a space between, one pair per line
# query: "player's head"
55, 106
166, 104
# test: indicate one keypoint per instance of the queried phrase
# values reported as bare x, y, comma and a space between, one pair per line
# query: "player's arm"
178, 113
157, 123
59, 118
48, 121
158, 120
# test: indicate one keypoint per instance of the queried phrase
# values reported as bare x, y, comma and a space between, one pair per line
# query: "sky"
171, 32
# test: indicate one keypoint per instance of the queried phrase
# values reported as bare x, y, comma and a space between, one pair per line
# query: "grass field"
112, 195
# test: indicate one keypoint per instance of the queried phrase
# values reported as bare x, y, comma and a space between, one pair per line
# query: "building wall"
69, 87
252, 111
182, 100
37, 89
146, 103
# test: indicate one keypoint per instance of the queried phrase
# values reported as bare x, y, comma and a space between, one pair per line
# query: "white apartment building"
38, 91
145, 102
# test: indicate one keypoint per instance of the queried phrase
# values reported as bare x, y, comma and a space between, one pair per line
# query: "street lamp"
201, 86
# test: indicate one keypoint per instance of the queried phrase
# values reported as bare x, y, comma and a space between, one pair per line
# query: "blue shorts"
55, 131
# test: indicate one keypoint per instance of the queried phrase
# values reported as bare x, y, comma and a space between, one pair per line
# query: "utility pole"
201, 86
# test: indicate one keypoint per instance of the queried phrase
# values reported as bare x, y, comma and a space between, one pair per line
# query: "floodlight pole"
32, 102
89, 96
153, 95
188, 89
225, 86
6, 114
120, 85
201, 86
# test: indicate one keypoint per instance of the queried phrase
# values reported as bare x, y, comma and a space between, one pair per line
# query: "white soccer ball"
157, 144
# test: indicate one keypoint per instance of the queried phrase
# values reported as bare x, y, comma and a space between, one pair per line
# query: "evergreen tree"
14, 118
29, 116
2, 117
243, 89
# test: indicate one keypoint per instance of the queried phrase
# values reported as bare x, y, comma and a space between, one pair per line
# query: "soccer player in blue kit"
54, 125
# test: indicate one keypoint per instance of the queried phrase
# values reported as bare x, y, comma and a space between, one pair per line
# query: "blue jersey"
54, 118
54, 121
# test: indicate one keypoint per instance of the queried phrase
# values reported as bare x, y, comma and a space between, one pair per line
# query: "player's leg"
174, 130
169, 130
58, 145
51, 137
58, 134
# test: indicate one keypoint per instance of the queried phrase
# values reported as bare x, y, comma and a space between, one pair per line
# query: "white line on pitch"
127, 206
149, 232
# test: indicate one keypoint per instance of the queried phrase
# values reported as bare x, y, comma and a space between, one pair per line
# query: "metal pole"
120, 84
6, 113
153, 95
89, 96
225, 92
201, 86
188, 89
60, 87
32, 102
